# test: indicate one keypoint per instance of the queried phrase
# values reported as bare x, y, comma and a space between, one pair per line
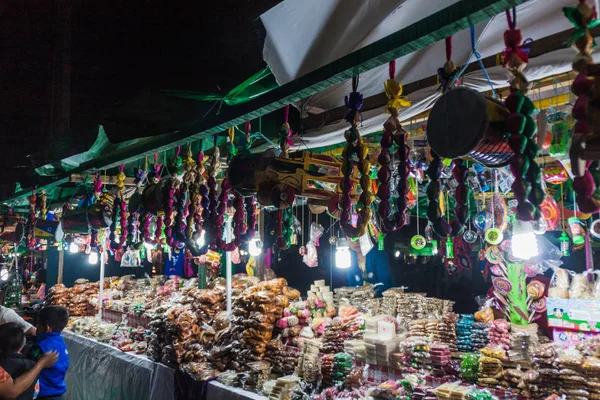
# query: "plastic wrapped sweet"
469, 367
559, 284
581, 287
311, 257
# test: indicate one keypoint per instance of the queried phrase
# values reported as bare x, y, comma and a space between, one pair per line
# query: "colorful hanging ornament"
213, 219
285, 135
355, 145
448, 74
527, 186
43, 205
393, 132
123, 214
171, 200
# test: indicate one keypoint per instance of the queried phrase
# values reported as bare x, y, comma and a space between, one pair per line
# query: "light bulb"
200, 241
524, 243
93, 258
343, 259
73, 248
255, 246
397, 253
4, 274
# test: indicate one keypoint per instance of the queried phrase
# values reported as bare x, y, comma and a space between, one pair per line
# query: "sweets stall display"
497, 188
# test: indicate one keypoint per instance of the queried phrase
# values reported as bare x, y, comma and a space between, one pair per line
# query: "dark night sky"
117, 48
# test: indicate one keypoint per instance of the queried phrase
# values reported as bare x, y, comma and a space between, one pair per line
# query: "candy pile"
342, 364
446, 331
75, 298
160, 345
514, 379
498, 334
424, 393
327, 362
309, 368
283, 359
389, 303
479, 335
258, 373
417, 328
431, 330
206, 303
591, 367
469, 367
440, 359
490, 366
572, 380
357, 296
453, 391
464, 329
543, 380
335, 335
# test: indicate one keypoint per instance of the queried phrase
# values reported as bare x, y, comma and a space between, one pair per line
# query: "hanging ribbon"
393, 91
583, 20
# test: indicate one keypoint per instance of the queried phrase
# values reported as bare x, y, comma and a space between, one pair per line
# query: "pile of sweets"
479, 335
342, 364
389, 302
431, 330
160, 342
440, 359
283, 358
200, 371
464, 329
417, 328
499, 334
490, 366
446, 330
453, 391
309, 367
93, 328
318, 290
522, 338
591, 368
283, 388
469, 367
74, 298
257, 374
206, 303
129, 339
327, 369
361, 297
413, 354
573, 382
356, 348
542, 380
380, 340
424, 393
513, 379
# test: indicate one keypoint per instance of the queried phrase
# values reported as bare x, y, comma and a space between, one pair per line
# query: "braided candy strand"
527, 186
584, 184
393, 132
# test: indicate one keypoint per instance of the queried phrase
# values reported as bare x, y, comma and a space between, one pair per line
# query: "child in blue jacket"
52, 321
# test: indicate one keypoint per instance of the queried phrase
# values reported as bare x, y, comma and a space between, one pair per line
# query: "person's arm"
9, 388
31, 331
11, 316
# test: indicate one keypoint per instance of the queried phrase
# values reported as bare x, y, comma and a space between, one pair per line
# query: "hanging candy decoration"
448, 74
44, 205
123, 215
212, 216
444, 227
97, 186
285, 135
393, 132
355, 145
32, 219
116, 217
198, 200
170, 209
527, 186
585, 184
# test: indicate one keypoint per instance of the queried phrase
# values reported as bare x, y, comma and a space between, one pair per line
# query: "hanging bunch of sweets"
119, 213
355, 147
97, 186
198, 202
32, 219
170, 209
284, 222
285, 135
585, 186
153, 177
393, 132
527, 186
43, 205
183, 197
211, 212
443, 226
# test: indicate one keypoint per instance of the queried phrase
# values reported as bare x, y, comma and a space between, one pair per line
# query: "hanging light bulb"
255, 246
200, 241
93, 257
343, 259
523, 243
73, 248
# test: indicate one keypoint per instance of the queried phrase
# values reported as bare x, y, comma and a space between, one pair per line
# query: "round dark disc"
457, 122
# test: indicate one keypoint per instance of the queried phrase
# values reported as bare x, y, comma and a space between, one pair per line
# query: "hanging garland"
393, 132
121, 193
444, 227
584, 184
198, 207
355, 145
170, 210
527, 186
212, 217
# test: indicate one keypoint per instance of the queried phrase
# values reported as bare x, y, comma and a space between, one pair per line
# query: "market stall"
230, 255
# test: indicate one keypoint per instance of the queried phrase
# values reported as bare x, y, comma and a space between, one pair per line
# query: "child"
52, 321
12, 340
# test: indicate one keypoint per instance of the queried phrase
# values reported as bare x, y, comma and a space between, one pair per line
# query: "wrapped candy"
311, 258
469, 367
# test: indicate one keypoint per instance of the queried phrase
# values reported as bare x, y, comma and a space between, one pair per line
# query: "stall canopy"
304, 36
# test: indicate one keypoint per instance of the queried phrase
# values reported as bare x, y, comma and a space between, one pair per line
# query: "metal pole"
101, 292
228, 235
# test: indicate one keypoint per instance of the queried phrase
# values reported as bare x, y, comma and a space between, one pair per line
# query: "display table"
101, 372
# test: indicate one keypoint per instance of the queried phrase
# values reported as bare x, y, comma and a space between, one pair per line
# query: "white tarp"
305, 35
